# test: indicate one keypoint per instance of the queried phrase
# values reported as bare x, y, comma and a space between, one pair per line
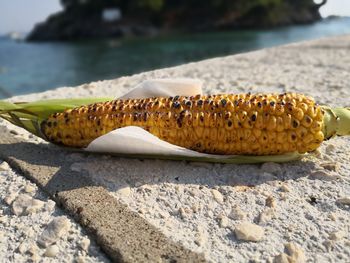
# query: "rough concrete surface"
25, 220
164, 210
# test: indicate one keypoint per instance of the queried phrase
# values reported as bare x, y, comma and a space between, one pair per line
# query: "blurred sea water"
33, 67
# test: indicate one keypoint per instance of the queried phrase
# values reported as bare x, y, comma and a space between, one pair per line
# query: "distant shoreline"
23, 35
97, 20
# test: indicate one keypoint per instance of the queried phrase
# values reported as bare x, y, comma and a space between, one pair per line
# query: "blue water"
33, 67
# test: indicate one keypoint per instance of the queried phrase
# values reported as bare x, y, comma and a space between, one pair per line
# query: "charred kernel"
199, 102
229, 123
176, 98
253, 117
272, 103
176, 104
223, 102
188, 103
295, 124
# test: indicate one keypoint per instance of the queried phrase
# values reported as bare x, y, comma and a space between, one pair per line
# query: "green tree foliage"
177, 12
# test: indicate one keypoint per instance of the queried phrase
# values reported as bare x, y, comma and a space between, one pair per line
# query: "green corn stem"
336, 122
30, 115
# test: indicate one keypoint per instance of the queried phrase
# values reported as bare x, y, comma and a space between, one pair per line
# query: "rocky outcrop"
88, 19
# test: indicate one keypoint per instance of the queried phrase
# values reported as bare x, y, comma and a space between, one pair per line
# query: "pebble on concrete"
24, 204
330, 166
323, 175
222, 220
4, 166
266, 215
84, 244
295, 252
344, 201
125, 191
282, 258
51, 251
29, 188
249, 232
217, 196
337, 235
54, 230
284, 188
237, 213
270, 201
272, 168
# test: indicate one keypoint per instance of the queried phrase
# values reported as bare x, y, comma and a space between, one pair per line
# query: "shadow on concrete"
121, 233
59, 169
46, 165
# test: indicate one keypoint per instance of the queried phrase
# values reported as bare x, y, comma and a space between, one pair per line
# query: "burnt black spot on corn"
270, 124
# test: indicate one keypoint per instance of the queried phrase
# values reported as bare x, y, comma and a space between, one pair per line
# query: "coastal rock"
54, 230
249, 232
87, 19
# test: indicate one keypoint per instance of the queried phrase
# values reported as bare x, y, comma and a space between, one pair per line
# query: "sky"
22, 15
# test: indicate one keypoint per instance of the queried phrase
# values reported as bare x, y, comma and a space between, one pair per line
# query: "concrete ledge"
187, 203
123, 235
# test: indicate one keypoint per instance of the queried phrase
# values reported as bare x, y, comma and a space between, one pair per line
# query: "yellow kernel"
298, 114
319, 137
308, 138
287, 120
279, 124
306, 121
272, 123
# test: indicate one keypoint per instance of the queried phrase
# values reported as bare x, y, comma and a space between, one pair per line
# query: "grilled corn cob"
245, 124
